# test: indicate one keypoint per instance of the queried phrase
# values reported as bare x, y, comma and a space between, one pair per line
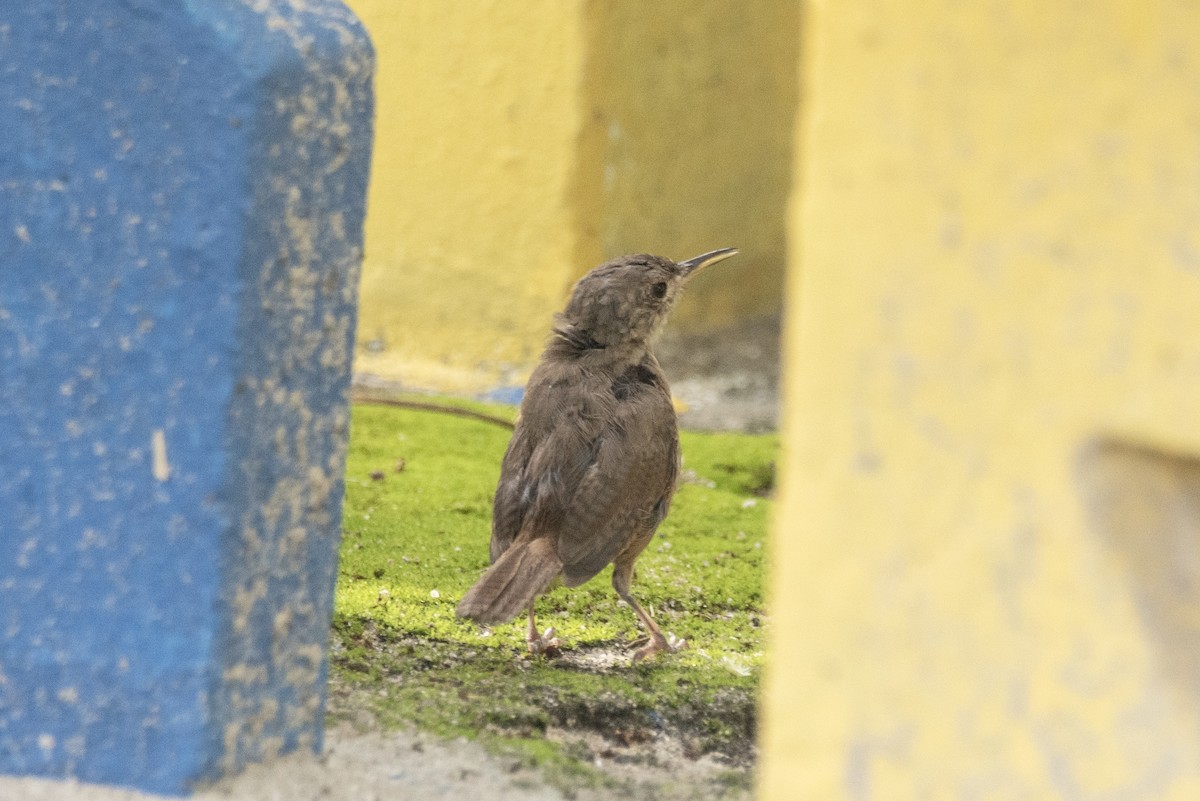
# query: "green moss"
417, 523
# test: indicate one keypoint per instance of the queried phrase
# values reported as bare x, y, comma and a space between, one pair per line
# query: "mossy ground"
419, 488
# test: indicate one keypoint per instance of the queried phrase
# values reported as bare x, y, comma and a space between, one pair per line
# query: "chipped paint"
160, 467
299, 431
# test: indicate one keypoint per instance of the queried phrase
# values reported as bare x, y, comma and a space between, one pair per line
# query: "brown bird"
594, 459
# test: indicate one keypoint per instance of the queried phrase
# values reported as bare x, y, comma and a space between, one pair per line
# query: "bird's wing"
511, 502
551, 449
624, 489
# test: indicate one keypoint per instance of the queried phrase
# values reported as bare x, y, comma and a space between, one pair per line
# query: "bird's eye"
659, 290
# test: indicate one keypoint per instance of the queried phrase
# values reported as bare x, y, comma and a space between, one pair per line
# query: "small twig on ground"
425, 406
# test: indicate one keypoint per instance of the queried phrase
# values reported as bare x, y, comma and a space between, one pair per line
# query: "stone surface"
181, 205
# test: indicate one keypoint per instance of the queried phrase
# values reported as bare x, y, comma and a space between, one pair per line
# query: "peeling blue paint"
181, 205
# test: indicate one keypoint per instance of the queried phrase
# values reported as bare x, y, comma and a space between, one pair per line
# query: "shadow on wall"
682, 154
1145, 504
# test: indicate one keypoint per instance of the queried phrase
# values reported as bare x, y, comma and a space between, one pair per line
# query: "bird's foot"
671, 644
543, 644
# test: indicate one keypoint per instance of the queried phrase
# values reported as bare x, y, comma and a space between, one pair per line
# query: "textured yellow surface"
996, 339
470, 235
689, 144
520, 144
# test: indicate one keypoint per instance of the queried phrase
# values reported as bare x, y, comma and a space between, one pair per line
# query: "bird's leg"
540, 643
622, 576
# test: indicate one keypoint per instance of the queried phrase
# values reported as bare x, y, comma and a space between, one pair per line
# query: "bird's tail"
521, 574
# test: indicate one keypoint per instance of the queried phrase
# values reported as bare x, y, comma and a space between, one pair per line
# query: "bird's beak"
692, 266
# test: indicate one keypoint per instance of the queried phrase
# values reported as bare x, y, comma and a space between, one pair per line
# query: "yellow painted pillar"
985, 557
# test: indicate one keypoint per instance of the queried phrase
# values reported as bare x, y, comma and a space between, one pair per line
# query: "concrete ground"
354, 767
727, 380
383, 767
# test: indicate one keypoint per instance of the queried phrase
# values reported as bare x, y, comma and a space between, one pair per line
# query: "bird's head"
623, 302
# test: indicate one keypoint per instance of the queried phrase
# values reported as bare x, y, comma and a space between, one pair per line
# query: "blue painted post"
181, 203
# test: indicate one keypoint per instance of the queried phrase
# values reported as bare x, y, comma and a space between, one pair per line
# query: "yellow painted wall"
518, 145
688, 145
470, 234
986, 552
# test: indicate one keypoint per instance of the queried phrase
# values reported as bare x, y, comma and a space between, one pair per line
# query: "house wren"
593, 462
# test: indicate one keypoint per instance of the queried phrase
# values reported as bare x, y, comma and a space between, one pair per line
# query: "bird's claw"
546, 643
671, 644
